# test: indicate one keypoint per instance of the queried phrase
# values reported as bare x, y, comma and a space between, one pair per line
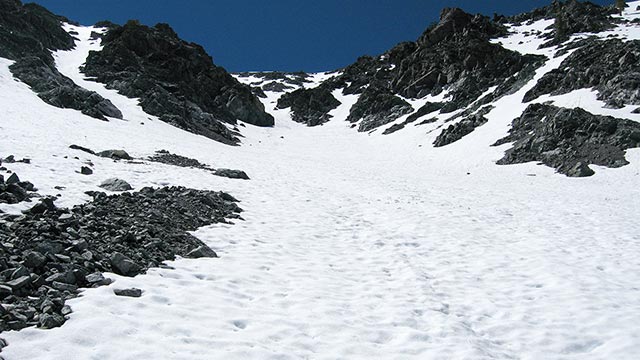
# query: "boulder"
34, 259
132, 292
309, 106
123, 265
580, 169
86, 170
115, 184
115, 154
13, 179
50, 321
45, 204
19, 283
202, 251
376, 107
140, 61
232, 174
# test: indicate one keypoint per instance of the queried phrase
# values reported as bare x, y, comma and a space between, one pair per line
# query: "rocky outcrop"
277, 81
309, 106
165, 157
578, 17
377, 107
30, 30
47, 254
610, 67
455, 55
175, 80
13, 190
28, 34
569, 139
462, 128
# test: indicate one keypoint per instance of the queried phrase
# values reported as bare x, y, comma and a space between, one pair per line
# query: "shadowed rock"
175, 80
569, 139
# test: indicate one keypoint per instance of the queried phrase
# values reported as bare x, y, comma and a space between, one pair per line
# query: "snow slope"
355, 246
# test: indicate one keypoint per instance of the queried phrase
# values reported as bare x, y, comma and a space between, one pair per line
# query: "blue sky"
287, 35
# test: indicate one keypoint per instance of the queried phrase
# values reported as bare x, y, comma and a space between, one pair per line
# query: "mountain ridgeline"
459, 57
455, 71
174, 80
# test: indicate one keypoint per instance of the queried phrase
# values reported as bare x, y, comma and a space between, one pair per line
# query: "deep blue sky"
288, 35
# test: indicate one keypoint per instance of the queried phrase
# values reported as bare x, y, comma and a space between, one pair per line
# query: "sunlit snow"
355, 246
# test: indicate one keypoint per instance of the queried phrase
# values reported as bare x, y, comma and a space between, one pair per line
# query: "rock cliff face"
610, 67
311, 106
455, 55
174, 80
570, 139
579, 17
28, 34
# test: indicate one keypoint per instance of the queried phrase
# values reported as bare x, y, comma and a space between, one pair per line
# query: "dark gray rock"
64, 218
609, 66
377, 107
579, 17
165, 157
276, 87
202, 251
456, 54
57, 90
45, 204
174, 80
115, 154
50, 321
67, 277
63, 286
19, 283
97, 279
462, 128
569, 139
580, 169
76, 147
13, 179
5, 290
123, 265
133, 292
309, 106
114, 184
34, 259
86, 170
28, 33
232, 174
18, 272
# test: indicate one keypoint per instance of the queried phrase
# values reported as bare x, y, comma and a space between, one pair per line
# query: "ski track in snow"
355, 246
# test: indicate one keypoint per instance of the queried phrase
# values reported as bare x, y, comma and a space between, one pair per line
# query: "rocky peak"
175, 80
454, 21
28, 34
30, 30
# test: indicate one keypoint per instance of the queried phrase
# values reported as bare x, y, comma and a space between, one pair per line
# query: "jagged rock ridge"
569, 139
609, 66
28, 34
455, 55
174, 80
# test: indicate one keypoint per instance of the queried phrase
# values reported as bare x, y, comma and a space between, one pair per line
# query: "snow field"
355, 246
